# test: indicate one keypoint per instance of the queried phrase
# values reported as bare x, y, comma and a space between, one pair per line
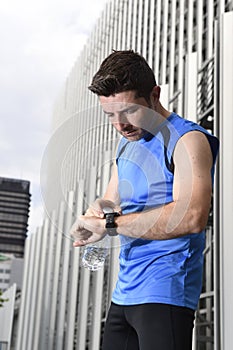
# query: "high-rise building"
11, 271
14, 212
189, 46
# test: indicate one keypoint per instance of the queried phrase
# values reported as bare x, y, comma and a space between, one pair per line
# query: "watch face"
108, 210
110, 220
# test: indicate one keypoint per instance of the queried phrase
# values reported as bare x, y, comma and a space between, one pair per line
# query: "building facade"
188, 45
5, 271
14, 212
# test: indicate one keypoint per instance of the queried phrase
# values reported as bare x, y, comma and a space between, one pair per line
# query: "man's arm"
192, 188
111, 193
189, 210
110, 198
79, 231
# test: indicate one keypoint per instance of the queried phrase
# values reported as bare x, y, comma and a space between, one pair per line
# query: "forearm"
170, 221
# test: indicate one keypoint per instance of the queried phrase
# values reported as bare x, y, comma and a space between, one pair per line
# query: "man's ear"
155, 95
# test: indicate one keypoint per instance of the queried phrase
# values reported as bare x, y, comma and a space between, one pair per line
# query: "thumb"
117, 209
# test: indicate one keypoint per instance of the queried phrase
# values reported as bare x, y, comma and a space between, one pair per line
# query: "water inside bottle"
94, 257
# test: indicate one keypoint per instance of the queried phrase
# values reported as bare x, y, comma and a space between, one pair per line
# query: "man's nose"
120, 126
120, 122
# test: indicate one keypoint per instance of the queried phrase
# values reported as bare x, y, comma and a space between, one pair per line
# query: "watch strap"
110, 223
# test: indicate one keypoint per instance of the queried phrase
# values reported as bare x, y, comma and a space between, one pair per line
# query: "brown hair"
123, 71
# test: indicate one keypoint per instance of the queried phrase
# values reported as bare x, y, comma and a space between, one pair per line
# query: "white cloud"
40, 41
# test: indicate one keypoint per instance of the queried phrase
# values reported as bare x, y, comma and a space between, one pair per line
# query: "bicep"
192, 177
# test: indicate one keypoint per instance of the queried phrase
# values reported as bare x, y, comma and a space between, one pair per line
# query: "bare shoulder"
195, 146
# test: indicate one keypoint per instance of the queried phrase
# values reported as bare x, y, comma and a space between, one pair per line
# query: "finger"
80, 233
80, 243
85, 241
117, 209
103, 203
92, 211
98, 210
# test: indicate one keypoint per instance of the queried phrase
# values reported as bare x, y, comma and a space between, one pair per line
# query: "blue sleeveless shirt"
157, 271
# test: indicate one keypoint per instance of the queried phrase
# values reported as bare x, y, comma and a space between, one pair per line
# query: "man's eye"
131, 110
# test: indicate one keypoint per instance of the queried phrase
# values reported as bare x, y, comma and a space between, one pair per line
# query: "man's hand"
87, 229
96, 208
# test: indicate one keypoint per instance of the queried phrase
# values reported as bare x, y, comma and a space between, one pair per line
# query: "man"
162, 181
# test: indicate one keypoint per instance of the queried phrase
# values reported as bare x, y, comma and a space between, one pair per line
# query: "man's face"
131, 116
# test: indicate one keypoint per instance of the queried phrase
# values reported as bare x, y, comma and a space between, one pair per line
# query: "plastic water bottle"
94, 255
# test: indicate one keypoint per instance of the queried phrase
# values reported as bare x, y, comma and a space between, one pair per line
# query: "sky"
40, 41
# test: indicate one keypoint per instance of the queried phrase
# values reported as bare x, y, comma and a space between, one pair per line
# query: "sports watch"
110, 225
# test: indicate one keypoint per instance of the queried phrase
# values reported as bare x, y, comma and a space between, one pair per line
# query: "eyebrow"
106, 112
122, 110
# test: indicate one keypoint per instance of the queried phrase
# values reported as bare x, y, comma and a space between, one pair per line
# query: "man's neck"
162, 111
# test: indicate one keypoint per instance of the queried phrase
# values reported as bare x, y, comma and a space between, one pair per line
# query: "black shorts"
148, 327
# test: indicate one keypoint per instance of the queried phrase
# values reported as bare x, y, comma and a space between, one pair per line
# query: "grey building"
189, 46
11, 271
14, 212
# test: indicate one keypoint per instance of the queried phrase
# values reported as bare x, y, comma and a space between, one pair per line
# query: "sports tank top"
157, 271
